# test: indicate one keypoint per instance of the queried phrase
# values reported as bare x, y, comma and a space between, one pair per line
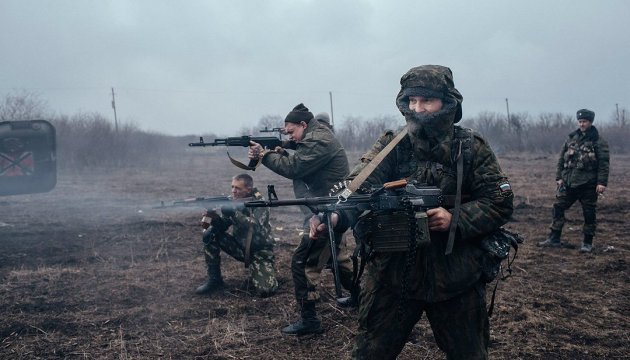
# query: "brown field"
91, 271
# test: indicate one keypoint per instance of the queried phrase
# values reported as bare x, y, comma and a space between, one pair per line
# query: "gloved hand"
219, 224
228, 210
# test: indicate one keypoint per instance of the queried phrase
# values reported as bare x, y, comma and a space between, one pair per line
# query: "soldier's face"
584, 124
420, 104
295, 131
239, 189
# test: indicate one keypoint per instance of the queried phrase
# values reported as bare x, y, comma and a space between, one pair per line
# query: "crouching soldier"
243, 234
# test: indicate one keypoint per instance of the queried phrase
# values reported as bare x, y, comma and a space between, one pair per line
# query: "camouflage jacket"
318, 162
487, 206
258, 218
584, 159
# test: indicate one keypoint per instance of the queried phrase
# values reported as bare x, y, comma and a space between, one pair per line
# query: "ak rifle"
269, 142
211, 202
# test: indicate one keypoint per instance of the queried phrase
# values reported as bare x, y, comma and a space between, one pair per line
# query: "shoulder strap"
371, 166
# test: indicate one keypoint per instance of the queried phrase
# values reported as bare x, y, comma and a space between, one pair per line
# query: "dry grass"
90, 271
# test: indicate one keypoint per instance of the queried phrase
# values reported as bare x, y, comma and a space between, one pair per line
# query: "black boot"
351, 301
553, 240
214, 282
587, 244
308, 323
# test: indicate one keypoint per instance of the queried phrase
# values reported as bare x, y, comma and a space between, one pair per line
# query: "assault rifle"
269, 142
278, 130
205, 202
397, 195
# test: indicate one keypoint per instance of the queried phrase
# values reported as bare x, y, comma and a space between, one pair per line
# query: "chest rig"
405, 230
581, 154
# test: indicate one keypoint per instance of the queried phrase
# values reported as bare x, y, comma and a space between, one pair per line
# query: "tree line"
86, 140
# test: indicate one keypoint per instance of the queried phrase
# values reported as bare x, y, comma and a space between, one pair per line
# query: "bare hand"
439, 219
317, 227
280, 150
600, 189
255, 149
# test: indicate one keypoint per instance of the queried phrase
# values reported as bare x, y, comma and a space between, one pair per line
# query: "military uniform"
583, 164
449, 288
254, 221
318, 162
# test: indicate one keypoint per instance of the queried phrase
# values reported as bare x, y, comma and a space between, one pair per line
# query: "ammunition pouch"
496, 247
391, 232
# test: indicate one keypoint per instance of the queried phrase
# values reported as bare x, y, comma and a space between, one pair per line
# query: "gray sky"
186, 67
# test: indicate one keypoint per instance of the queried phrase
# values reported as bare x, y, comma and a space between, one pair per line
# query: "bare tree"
23, 105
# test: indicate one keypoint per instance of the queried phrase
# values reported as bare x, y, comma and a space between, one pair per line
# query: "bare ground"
91, 271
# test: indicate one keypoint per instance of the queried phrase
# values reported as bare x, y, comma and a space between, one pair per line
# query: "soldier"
400, 286
243, 234
581, 174
318, 162
324, 119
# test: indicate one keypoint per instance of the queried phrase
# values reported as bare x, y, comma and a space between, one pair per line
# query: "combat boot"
214, 282
553, 240
587, 244
351, 301
308, 323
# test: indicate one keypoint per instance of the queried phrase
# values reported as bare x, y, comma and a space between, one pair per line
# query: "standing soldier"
581, 175
243, 234
447, 283
318, 162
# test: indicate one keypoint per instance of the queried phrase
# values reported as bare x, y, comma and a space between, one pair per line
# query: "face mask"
432, 125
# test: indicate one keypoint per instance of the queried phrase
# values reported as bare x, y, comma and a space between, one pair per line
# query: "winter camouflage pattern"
449, 288
583, 164
318, 162
262, 273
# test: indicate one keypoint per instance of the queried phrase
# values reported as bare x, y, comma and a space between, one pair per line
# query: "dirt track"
89, 270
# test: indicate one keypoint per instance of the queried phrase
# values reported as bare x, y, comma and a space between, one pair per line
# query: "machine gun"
393, 196
265, 141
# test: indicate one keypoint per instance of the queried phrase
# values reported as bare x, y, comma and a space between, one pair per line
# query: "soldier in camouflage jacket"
581, 175
318, 162
246, 236
398, 288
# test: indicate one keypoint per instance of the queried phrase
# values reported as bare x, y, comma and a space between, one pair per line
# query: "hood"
435, 79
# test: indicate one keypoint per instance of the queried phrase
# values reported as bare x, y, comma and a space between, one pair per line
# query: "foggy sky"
187, 67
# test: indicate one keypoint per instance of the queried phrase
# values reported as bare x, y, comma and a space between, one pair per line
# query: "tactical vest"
580, 155
409, 167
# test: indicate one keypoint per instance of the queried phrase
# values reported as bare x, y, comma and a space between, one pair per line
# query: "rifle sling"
372, 165
239, 164
458, 201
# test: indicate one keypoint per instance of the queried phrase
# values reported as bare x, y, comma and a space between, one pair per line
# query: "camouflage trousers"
587, 196
460, 325
310, 258
262, 272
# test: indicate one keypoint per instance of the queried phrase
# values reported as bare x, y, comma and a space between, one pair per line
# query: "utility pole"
332, 117
617, 106
507, 106
114, 107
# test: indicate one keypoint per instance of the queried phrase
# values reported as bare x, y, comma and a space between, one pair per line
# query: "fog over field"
216, 66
